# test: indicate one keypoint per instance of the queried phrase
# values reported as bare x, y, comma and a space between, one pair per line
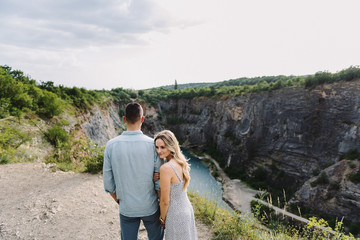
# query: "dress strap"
177, 174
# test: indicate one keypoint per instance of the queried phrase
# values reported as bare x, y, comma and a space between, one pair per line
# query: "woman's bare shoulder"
165, 168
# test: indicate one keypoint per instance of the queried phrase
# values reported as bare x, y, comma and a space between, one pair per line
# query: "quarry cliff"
292, 134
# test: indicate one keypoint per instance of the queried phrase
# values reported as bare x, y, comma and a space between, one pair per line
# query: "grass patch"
316, 228
230, 225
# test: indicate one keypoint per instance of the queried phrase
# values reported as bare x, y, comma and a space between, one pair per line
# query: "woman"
176, 212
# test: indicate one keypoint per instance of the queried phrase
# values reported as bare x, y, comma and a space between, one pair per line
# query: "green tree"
349, 74
141, 93
176, 85
4, 107
22, 100
50, 104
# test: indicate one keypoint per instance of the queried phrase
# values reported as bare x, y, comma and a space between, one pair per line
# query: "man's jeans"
130, 227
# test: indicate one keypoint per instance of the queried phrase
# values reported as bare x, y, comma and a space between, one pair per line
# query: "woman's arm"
165, 179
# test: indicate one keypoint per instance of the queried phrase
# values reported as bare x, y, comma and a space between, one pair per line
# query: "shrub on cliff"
349, 74
352, 154
322, 180
57, 135
95, 163
355, 177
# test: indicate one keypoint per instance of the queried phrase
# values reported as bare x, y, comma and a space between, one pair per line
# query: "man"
130, 161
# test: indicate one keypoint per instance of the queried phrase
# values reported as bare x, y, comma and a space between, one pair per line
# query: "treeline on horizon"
19, 93
242, 86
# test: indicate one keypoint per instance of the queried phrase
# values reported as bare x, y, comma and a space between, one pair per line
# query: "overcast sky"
138, 44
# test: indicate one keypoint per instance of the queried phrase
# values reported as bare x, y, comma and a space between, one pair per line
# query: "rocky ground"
39, 203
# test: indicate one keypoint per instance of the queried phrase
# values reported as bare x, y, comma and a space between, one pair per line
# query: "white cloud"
147, 43
72, 24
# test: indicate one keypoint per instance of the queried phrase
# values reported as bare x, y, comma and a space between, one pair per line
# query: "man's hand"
156, 176
114, 197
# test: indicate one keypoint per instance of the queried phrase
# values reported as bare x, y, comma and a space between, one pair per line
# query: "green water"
202, 182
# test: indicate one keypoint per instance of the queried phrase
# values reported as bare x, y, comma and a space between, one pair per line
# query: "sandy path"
36, 203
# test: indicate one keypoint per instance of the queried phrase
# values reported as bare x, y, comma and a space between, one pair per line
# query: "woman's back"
176, 176
180, 221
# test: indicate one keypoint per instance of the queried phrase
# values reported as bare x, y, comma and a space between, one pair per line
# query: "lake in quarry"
202, 182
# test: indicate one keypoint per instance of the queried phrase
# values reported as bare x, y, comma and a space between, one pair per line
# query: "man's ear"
124, 118
142, 118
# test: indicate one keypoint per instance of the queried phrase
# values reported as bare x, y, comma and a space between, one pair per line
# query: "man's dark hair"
133, 112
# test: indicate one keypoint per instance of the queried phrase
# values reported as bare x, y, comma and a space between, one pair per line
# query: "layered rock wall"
294, 130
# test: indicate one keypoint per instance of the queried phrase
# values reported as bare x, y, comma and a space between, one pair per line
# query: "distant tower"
176, 85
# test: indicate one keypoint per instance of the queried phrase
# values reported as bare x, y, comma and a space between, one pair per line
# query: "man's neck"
133, 127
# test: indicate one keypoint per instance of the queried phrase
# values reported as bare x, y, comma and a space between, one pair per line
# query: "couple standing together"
131, 165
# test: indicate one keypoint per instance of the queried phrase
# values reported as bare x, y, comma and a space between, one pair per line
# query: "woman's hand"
162, 222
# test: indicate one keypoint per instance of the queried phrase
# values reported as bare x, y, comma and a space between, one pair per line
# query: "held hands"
162, 222
156, 176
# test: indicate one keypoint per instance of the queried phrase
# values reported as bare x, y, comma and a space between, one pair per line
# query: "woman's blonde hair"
172, 144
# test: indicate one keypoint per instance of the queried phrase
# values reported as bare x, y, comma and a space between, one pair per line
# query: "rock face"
335, 195
103, 124
294, 130
291, 133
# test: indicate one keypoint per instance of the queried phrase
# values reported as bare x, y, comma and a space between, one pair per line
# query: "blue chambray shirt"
130, 161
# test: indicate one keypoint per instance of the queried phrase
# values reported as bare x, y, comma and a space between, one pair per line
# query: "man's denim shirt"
130, 161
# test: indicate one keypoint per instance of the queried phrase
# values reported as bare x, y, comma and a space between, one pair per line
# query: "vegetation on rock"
241, 86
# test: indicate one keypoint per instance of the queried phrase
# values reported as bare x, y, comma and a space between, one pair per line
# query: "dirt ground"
39, 204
